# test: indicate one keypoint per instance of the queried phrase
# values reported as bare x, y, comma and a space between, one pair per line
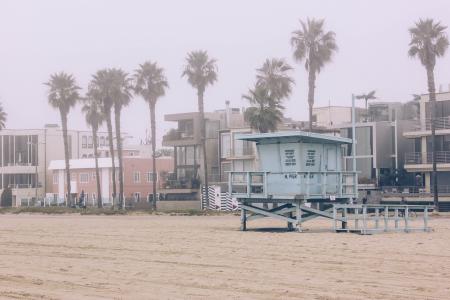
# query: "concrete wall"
178, 205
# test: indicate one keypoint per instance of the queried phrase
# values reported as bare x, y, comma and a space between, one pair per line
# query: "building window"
90, 143
102, 141
151, 176
84, 142
55, 178
225, 147
137, 197
137, 177
311, 158
289, 157
84, 177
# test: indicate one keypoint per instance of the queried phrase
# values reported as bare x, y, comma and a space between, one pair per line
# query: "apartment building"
380, 144
26, 155
419, 157
138, 178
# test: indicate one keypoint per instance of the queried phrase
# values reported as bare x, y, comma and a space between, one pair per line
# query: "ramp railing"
369, 218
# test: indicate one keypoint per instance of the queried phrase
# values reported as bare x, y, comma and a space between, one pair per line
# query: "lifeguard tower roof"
293, 137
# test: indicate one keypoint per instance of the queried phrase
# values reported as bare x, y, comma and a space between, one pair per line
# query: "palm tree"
367, 97
201, 71
428, 42
315, 47
274, 76
3, 116
94, 118
63, 95
121, 95
101, 90
265, 114
151, 84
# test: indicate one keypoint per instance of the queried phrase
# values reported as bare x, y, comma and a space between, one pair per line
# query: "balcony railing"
413, 190
440, 124
289, 185
174, 135
442, 157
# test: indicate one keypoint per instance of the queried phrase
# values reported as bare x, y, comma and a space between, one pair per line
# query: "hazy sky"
81, 36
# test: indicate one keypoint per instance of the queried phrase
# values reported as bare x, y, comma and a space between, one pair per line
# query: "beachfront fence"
219, 200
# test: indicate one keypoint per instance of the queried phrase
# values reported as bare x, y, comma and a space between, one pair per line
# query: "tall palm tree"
94, 118
428, 42
151, 84
201, 71
63, 95
121, 95
315, 47
101, 88
366, 97
265, 114
3, 116
274, 76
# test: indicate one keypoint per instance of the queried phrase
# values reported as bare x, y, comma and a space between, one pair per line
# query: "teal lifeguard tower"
296, 169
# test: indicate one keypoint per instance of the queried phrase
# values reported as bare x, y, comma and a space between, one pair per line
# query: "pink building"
138, 177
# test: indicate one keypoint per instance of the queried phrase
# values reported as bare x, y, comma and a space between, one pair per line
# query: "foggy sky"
81, 36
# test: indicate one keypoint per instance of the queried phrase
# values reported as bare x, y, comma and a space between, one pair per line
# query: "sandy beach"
206, 257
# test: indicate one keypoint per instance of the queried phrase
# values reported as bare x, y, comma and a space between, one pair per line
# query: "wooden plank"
267, 213
283, 209
322, 213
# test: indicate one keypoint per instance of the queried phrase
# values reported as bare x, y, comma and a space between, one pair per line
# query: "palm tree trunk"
311, 86
432, 93
66, 156
203, 141
119, 154
111, 150
153, 129
97, 172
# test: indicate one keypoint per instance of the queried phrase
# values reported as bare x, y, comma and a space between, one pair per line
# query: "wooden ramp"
359, 218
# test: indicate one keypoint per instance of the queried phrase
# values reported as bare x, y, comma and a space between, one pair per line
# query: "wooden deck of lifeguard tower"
300, 170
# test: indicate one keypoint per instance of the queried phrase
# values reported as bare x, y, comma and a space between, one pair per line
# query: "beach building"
138, 179
25, 155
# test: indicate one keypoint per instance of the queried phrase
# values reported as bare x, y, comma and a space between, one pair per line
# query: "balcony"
417, 161
179, 138
422, 128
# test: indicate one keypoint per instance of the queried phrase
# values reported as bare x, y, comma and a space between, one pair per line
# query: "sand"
206, 257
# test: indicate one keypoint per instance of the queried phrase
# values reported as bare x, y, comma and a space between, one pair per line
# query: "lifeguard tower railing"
285, 186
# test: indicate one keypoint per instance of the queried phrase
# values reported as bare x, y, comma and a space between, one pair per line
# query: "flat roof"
293, 137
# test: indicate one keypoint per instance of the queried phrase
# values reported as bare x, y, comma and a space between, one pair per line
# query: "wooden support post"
299, 217
425, 218
396, 218
290, 226
334, 218
377, 217
406, 219
356, 212
243, 218
386, 216
344, 224
364, 219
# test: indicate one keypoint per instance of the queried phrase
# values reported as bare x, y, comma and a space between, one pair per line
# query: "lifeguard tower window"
289, 157
311, 158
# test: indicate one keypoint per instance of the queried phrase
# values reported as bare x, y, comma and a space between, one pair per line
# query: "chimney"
227, 113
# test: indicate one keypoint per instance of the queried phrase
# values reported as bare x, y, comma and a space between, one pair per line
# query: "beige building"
420, 157
26, 155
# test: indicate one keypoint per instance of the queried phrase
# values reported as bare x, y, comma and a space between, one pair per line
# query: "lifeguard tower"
297, 169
